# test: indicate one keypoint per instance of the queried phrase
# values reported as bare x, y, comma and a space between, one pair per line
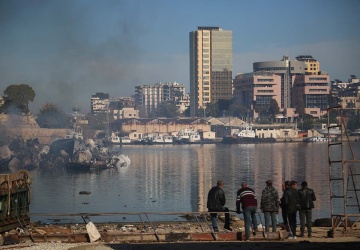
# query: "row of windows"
265, 80
272, 68
317, 90
263, 85
265, 91
317, 78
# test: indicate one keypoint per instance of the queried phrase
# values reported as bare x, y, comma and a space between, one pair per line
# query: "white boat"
119, 160
125, 140
114, 139
75, 133
188, 135
317, 139
117, 140
245, 131
194, 138
162, 139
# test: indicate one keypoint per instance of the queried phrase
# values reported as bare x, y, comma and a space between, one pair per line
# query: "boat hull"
78, 167
245, 140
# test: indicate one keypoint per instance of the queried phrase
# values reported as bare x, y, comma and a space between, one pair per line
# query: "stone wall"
45, 136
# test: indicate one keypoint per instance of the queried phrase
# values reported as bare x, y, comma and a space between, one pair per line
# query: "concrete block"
272, 236
202, 236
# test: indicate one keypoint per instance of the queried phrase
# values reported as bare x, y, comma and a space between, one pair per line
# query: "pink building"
311, 92
257, 88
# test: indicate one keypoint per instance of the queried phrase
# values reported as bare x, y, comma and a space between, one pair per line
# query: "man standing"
307, 198
270, 205
291, 202
283, 211
215, 203
246, 196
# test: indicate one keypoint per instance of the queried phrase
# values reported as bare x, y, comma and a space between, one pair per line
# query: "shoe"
301, 235
289, 236
294, 238
216, 230
246, 239
228, 228
309, 236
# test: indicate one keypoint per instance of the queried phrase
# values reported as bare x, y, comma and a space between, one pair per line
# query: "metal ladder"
344, 175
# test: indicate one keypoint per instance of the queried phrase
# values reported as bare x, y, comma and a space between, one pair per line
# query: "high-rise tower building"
210, 67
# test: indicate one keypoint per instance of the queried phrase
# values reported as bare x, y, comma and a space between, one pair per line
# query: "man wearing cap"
269, 205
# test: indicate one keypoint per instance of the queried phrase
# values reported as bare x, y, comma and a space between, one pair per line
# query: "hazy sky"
67, 50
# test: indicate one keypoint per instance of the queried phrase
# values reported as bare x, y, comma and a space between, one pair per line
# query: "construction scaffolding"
344, 172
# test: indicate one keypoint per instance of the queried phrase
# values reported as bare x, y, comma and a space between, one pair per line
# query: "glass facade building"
210, 67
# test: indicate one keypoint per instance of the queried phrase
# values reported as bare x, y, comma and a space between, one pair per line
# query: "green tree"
273, 108
307, 122
186, 113
166, 109
51, 116
212, 109
237, 110
353, 122
18, 97
261, 110
300, 107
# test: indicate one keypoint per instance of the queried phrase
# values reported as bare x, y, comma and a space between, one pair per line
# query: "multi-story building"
99, 102
290, 83
257, 88
124, 113
287, 70
311, 91
2, 101
123, 107
346, 94
147, 98
312, 66
210, 67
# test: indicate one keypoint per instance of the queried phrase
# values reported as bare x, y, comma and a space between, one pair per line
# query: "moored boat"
245, 135
163, 139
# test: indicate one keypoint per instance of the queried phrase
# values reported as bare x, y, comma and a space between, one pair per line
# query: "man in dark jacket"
291, 202
270, 205
246, 196
215, 203
307, 198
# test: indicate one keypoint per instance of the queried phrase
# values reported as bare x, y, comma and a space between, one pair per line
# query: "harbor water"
177, 178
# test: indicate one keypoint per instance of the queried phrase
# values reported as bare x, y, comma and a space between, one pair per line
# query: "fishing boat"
163, 139
317, 139
187, 135
245, 135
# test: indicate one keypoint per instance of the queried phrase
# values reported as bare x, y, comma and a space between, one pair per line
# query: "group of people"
291, 202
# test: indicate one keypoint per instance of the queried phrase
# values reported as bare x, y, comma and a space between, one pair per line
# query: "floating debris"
84, 192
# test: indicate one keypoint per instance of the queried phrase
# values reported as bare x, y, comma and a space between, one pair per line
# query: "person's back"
246, 196
307, 198
216, 199
216, 203
270, 205
269, 199
291, 200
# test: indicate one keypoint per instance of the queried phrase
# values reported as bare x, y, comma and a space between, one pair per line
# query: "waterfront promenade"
179, 239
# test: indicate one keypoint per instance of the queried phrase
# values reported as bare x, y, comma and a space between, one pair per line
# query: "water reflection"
177, 178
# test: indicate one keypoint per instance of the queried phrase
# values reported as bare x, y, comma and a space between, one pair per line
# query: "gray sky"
67, 50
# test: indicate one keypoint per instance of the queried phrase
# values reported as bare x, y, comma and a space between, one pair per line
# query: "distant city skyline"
71, 49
